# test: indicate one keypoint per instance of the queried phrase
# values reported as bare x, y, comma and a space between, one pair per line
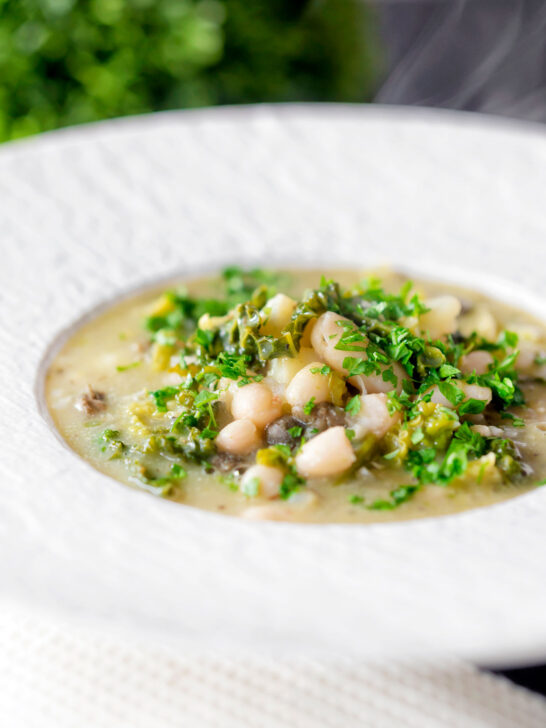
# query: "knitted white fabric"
54, 676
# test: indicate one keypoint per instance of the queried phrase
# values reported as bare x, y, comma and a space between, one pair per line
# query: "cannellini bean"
526, 357
471, 391
240, 437
488, 430
526, 332
375, 383
307, 384
326, 333
329, 453
288, 510
475, 391
325, 336
255, 402
476, 361
374, 416
280, 309
526, 361
227, 387
276, 387
284, 368
479, 320
269, 479
442, 317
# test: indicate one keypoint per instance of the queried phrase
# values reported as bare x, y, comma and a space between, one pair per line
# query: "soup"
309, 396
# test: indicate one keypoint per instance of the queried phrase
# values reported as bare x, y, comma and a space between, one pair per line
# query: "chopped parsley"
353, 405
295, 431
321, 370
356, 499
162, 396
125, 367
398, 496
309, 406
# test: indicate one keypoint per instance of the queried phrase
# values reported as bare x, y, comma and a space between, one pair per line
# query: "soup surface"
312, 396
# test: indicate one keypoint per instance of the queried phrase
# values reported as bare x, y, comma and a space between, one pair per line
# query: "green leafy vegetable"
309, 406
295, 431
399, 496
162, 396
451, 392
321, 370
128, 366
353, 405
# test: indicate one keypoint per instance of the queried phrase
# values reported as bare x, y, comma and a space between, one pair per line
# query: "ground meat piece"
225, 461
457, 337
92, 402
323, 416
276, 433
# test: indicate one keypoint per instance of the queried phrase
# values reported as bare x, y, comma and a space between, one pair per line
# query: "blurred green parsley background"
66, 62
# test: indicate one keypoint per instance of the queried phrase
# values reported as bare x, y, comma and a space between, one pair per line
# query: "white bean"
526, 358
325, 336
285, 368
255, 402
326, 454
488, 430
481, 321
374, 416
326, 333
240, 437
476, 361
268, 477
280, 309
374, 383
475, 391
307, 384
442, 317
470, 391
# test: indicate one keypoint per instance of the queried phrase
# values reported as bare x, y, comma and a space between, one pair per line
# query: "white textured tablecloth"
60, 676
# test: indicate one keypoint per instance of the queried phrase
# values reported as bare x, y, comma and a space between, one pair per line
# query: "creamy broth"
100, 382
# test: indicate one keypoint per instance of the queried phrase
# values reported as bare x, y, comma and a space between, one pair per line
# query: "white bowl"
90, 213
